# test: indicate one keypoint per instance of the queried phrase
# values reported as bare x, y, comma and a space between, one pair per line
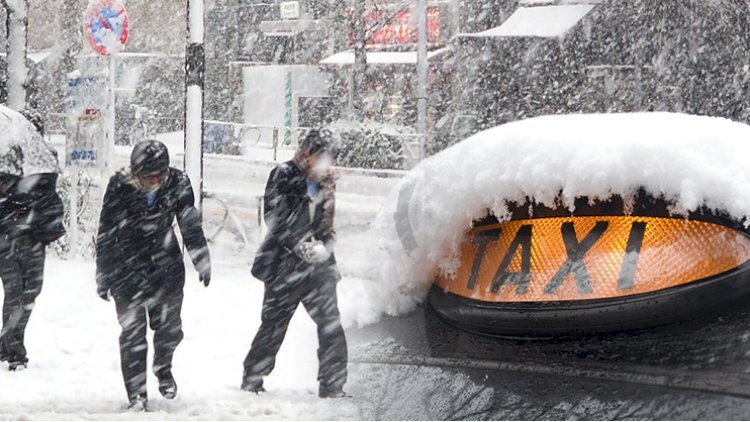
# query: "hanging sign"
86, 129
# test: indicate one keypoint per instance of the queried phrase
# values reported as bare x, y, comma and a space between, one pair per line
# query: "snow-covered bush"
370, 144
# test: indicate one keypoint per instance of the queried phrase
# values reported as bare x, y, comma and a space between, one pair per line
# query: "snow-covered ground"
73, 335
74, 362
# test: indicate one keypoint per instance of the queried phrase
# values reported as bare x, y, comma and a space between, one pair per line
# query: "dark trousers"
22, 272
280, 300
162, 312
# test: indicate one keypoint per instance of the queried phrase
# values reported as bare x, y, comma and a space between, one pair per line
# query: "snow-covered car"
609, 252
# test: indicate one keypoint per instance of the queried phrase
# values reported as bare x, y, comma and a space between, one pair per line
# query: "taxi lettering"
573, 265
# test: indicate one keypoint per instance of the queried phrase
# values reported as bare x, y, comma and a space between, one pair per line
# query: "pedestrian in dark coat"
140, 263
297, 264
31, 217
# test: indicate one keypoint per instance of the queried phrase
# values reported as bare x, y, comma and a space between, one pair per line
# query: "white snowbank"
689, 160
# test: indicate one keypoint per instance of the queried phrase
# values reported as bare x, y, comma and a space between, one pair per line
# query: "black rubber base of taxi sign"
542, 319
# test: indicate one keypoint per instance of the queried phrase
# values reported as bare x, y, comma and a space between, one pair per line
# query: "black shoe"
138, 404
167, 384
336, 393
253, 385
16, 366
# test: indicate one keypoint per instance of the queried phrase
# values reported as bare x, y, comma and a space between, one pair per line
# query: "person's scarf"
136, 182
327, 186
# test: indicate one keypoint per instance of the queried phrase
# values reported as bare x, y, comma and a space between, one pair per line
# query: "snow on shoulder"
690, 161
23, 151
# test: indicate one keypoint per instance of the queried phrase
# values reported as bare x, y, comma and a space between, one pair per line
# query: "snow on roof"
35, 56
539, 21
691, 161
381, 57
38, 56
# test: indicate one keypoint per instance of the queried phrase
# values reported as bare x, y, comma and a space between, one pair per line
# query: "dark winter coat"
31, 209
137, 249
287, 216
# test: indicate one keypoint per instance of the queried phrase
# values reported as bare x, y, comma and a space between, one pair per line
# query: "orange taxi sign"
585, 258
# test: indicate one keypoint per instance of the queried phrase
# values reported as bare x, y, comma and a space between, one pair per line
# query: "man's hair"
149, 157
318, 141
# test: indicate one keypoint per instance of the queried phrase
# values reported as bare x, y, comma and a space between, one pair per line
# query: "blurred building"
293, 61
552, 57
280, 64
149, 69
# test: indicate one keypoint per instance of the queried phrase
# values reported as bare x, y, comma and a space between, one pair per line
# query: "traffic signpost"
91, 102
106, 26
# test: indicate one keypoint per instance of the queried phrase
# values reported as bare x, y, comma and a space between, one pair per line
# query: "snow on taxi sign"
106, 26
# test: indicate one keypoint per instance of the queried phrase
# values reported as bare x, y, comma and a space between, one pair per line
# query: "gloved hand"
103, 292
205, 277
203, 266
103, 280
313, 252
320, 253
304, 251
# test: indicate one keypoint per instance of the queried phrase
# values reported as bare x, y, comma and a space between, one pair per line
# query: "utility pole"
195, 62
16, 39
70, 41
359, 69
422, 67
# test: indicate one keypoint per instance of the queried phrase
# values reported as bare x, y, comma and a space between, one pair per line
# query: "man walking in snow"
297, 264
140, 264
31, 217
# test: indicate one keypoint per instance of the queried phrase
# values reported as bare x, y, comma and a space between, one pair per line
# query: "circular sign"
106, 26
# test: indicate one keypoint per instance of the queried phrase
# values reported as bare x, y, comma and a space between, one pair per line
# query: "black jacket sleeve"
191, 225
32, 209
271, 200
47, 210
107, 248
277, 209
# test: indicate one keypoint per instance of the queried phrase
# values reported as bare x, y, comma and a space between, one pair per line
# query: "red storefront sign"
388, 28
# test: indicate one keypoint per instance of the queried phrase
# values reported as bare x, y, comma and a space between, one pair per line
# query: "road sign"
289, 9
86, 127
106, 26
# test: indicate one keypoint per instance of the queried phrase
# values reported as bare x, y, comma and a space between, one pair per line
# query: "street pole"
194, 81
455, 17
359, 69
111, 117
16, 34
422, 76
70, 41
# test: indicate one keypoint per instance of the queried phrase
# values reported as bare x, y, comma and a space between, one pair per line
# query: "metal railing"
248, 135
279, 138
